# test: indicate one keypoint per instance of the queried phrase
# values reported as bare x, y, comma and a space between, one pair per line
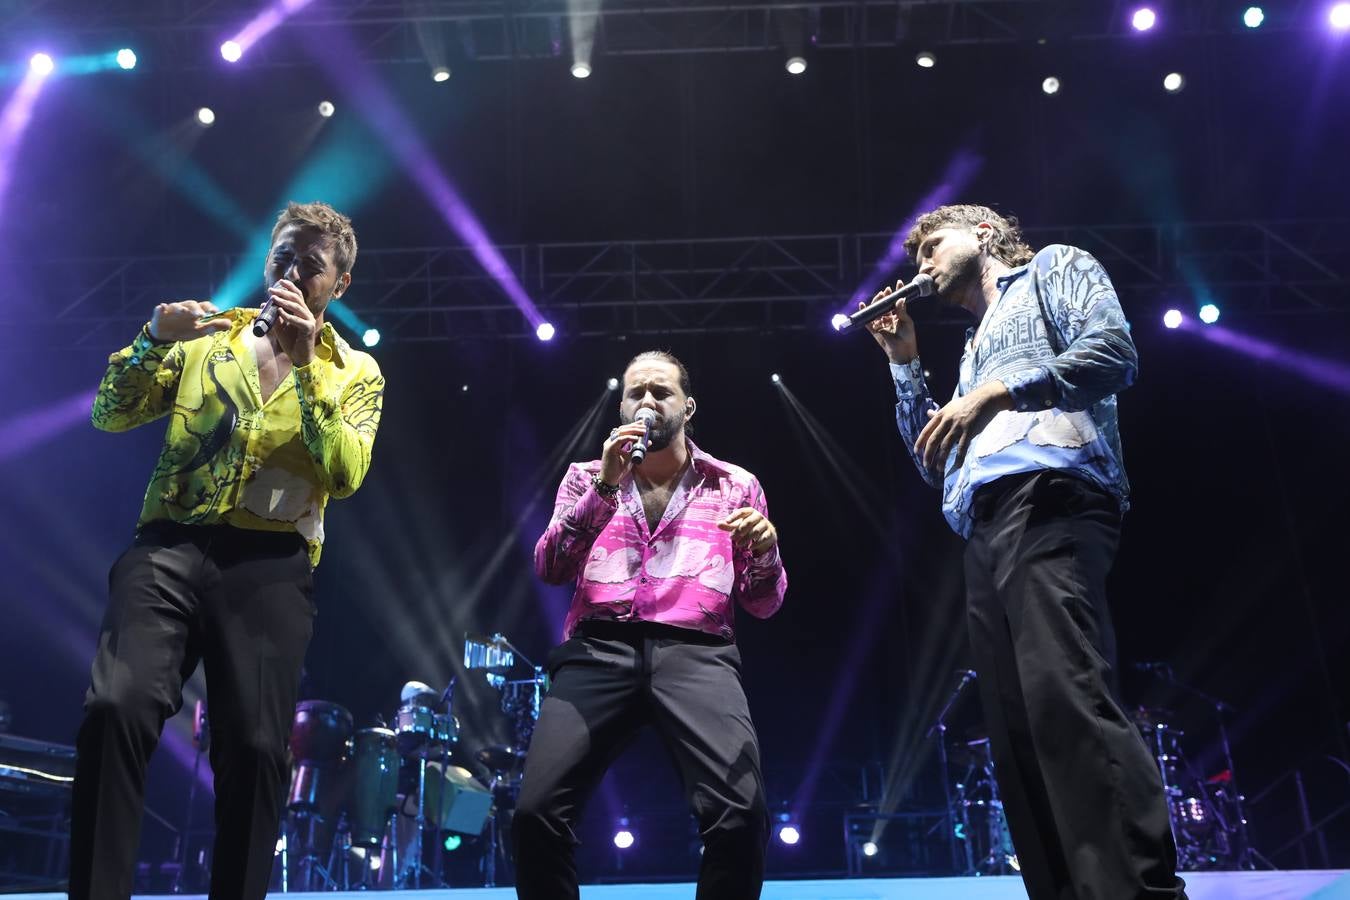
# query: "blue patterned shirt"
1057, 338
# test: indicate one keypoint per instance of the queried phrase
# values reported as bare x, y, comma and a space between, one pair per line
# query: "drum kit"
1206, 811
365, 803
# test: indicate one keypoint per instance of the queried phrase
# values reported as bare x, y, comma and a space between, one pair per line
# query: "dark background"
1232, 564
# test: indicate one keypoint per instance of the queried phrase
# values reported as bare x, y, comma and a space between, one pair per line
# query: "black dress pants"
1083, 798
608, 681
239, 601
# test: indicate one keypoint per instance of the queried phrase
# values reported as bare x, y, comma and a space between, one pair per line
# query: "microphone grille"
925, 284
646, 416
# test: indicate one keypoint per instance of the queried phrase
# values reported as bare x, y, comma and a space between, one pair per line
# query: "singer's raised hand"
750, 530
182, 320
617, 456
296, 326
894, 332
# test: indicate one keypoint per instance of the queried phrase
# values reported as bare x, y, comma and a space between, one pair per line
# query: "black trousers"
1083, 797
608, 682
239, 601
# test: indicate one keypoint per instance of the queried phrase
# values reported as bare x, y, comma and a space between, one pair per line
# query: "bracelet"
603, 488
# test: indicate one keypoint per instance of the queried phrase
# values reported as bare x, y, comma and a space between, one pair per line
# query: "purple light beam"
265, 21
959, 173
1326, 372
18, 112
374, 101
31, 429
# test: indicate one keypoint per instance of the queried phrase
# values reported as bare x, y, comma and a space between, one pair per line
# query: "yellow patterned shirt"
228, 457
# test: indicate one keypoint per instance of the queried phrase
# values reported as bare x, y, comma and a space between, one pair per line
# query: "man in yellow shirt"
262, 431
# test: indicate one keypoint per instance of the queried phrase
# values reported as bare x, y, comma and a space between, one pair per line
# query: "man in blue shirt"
1027, 455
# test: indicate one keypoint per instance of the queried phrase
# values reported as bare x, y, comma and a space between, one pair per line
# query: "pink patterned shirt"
686, 573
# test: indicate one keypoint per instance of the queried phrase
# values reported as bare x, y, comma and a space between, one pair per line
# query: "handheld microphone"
921, 286
267, 317
648, 418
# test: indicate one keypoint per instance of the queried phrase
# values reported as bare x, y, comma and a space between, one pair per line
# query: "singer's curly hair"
1006, 244
329, 222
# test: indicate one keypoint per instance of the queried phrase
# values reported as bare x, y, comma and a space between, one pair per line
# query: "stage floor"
1307, 885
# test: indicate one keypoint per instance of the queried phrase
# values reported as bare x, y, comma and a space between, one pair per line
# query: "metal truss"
758, 284
412, 31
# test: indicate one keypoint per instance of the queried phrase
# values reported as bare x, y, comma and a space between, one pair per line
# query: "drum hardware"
320, 744
521, 701
423, 733
1209, 821
201, 738
939, 731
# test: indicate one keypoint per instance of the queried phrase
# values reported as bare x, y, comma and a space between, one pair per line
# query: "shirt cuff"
908, 379
592, 511
767, 562
1030, 389
145, 349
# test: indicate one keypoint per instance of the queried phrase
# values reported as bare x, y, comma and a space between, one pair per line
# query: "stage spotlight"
838, 321
581, 70
1172, 318
126, 58
789, 834
1143, 19
1209, 314
41, 63
439, 74
1253, 17
452, 842
869, 848
776, 378
1173, 82
925, 60
623, 837
612, 384
796, 65
1050, 85
1339, 17
463, 388
545, 331
326, 109
230, 51
206, 116
371, 337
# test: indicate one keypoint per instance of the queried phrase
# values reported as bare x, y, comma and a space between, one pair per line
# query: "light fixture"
612, 384
1050, 85
796, 65
326, 108
126, 58
41, 64
581, 70
440, 74
1173, 82
1143, 19
371, 337
1172, 318
1253, 17
230, 51
206, 116
1209, 314
925, 60
545, 331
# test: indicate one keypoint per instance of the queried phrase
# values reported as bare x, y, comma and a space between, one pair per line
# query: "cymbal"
499, 758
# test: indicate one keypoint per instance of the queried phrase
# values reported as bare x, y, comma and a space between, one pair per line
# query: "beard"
962, 270
663, 430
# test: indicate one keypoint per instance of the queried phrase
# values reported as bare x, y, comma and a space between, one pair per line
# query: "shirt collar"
706, 463
1008, 278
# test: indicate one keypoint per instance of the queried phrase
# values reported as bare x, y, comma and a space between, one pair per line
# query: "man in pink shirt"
661, 553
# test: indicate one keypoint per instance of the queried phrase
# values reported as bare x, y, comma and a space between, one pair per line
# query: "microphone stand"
940, 730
